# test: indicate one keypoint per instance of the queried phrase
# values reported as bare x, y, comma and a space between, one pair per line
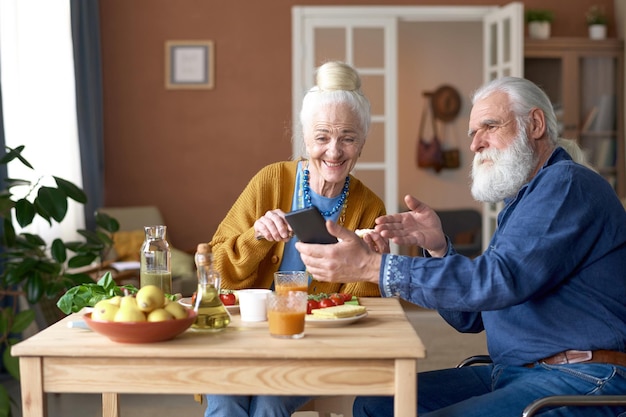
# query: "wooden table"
375, 356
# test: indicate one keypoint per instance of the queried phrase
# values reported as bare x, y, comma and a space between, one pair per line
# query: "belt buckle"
577, 356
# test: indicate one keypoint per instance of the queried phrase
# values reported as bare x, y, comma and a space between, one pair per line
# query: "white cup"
252, 305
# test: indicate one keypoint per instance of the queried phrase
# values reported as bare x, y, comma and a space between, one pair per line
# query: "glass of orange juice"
285, 314
285, 281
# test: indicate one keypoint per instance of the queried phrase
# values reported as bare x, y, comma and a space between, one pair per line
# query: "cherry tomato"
312, 305
337, 299
326, 302
228, 299
346, 297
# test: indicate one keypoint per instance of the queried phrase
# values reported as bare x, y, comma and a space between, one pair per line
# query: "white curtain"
39, 100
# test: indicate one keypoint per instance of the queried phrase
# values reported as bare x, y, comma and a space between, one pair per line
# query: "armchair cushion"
127, 245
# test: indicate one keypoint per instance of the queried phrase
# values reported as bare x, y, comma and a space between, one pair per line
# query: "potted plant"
539, 23
597, 21
29, 268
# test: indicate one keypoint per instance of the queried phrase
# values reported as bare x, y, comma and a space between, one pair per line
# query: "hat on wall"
446, 103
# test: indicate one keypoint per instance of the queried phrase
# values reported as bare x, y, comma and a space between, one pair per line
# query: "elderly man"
550, 290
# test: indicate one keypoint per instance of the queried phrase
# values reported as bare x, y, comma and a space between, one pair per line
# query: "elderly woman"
254, 240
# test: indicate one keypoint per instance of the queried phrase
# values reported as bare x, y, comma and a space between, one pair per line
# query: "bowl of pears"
146, 317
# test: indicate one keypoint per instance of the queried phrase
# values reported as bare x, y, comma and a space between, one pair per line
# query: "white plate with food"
311, 320
186, 301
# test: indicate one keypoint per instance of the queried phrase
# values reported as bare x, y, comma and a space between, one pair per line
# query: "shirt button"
274, 259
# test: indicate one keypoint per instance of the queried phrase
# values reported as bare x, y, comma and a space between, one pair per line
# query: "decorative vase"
597, 31
539, 30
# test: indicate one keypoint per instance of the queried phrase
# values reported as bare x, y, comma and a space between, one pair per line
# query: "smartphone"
309, 226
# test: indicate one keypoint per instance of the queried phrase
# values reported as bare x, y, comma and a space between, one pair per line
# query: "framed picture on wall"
189, 65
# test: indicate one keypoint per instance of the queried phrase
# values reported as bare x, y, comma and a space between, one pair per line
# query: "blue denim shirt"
553, 277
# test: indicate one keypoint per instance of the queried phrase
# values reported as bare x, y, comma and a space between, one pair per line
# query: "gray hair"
336, 82
524, 96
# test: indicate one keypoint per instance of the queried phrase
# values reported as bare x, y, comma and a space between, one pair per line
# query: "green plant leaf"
107, 222
76, 279
25, 267
71, 190
53, 202
91, 237
5, 402
22, 320
13, 154
5, 315
87, 295
41, 211
81, 260
104, 238
34, 288
24, 212
49, 267
76, 246
6, 204
68, 299
107, 281
34, 240
58, 250
17, 182
11, 364
9, 232
539, 15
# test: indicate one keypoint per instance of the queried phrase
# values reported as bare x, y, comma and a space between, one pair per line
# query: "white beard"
505, 171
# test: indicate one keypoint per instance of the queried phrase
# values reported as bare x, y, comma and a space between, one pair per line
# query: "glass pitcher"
156, 259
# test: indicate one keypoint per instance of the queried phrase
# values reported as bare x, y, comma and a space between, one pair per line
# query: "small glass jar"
212, 315
156, 259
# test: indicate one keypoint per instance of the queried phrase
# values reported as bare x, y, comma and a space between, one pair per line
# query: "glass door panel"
330, 44
369, 47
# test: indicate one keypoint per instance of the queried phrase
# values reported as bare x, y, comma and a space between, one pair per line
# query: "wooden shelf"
582, 77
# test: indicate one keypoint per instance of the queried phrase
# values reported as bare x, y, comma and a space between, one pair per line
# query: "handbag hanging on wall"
451, 157
443, 104
429, 153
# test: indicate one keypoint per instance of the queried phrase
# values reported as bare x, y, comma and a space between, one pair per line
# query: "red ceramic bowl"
140, 332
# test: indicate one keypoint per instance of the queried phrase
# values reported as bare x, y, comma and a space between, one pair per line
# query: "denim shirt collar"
559, 154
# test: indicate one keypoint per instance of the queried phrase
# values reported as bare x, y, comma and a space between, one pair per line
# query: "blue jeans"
253, 406
504, 391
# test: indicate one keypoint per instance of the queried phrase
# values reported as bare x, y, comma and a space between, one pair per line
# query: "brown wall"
192, 152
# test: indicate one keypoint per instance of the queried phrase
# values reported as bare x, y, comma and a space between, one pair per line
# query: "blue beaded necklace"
307, 194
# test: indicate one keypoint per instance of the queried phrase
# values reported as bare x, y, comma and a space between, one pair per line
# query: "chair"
130, 237
464, 228
554, 400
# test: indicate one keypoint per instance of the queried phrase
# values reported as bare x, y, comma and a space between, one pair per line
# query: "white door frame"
303, 61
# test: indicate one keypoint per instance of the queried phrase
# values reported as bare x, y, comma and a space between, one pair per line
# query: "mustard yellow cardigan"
245, 262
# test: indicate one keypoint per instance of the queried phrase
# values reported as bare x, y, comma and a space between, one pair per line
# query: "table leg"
110, 404
405, 400
31, 385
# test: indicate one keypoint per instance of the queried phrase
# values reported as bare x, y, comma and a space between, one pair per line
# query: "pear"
177, 310
129, 311
160, 314
104, 310
150, 297
115, 300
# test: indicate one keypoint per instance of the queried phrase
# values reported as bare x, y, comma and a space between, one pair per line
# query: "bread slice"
338, 312
363, 232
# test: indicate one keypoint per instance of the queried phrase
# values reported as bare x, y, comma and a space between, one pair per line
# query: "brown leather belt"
582, 356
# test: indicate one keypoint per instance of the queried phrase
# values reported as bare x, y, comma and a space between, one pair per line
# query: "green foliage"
5, 402
28, 267
87, 295
596, 16
539, 15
